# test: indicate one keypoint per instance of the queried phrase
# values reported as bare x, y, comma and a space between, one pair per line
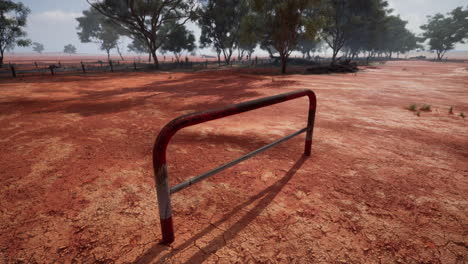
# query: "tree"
443, 32
38, 47
12, 21
220, 22
248, 35
97, 28
307, 45
139, 46
69, 49
145, 19
178, 40
345, 19
283, 22
397, 38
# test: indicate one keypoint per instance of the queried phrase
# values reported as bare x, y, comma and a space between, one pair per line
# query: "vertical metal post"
310, 124
310, 130
164, 203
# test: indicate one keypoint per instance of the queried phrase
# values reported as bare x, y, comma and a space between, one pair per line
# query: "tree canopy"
38, 47
281, 23
178, 40
97, 28
69, 49
145, 19
220, 23
13, 17
443, 32
349, 23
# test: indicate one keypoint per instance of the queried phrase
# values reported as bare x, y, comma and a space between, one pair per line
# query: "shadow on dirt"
263, 199
177, 94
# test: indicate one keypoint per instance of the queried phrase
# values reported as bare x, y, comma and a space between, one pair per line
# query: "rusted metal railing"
159, 152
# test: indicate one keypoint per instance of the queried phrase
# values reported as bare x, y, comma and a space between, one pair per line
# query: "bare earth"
382, 186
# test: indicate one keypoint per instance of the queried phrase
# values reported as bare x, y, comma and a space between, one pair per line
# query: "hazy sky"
52, 22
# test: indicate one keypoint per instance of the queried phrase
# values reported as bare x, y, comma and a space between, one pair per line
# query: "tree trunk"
227, 56
240, 54
155, 59
284, 62
108, 54
120, 53
335, 52
1, 57
149, 57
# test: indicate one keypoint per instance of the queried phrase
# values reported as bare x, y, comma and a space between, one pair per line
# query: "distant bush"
425, 108
412, 107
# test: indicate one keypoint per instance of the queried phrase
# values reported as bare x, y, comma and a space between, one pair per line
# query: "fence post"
13, 71
51, 68
83, 67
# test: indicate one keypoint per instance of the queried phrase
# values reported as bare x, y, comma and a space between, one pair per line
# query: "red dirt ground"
383, 185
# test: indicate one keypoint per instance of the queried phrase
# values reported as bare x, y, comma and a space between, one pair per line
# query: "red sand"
383, 185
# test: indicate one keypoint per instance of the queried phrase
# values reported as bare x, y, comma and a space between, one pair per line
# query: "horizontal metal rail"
212, 172
159, 152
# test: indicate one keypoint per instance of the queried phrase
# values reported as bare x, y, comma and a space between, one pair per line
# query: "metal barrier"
159, 152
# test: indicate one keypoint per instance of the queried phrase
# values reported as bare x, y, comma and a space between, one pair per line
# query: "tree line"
235, 28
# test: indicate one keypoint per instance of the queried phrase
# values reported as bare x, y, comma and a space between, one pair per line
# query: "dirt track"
383, 185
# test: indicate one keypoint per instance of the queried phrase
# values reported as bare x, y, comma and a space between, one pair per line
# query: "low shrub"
425, 108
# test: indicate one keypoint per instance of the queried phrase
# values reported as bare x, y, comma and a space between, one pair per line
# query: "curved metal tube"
169, 130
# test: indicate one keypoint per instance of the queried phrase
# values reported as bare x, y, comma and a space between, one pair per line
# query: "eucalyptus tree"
220, 23
248, 36
443, 32
38, 47
307, 45
13, 18
347, 21
69, 49
179, 39
145, 19
397, 38
282, 24
139, 46
97, 28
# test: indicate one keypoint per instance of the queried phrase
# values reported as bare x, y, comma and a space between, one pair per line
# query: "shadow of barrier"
262, 200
